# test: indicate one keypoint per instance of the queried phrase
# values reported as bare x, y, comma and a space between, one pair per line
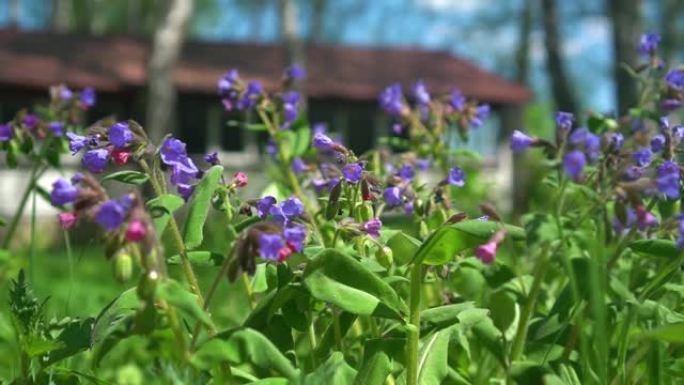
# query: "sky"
482, 31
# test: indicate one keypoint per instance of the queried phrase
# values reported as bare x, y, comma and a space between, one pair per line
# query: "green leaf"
444, 243
162, 208
341, 280
114, 323
404, 247
444, 316
433, 366
199, 207
127, 176
271, 381
74, 338
302, 140
374, 369
673, 333
183, 300
244, 345
656, 247
335, 371
199, 258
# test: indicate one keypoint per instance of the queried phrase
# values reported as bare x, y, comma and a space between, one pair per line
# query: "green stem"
413, 327
312, 342
336, 328
32, 246
248, 290
528, 308
12, 228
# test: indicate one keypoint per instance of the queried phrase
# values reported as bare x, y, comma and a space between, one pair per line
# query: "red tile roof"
41, 59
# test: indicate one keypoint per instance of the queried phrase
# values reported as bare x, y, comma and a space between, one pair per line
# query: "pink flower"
136, 231
67, 219
120, 157
487, 252
284, 253
240, 179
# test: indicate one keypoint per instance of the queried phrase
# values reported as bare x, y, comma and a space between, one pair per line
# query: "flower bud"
240, 179
147, 286
123, 267
423, 231
120, 157
136, 231
333, 202
384, 256
67, 219
365, 212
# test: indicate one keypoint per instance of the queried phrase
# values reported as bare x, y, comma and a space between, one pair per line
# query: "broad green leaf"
199, 205
271, 381
114, 323
335, 371
162, 208
673, 333
341, 280
127, 176
199, 258
656, 247
276, 190
404, 247
74, 338
327, 343
444, 316
302, 140
433, 366
183, 300
244, 345
444, 243
374, 369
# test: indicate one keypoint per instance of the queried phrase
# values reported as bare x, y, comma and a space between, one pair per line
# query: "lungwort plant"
366, 269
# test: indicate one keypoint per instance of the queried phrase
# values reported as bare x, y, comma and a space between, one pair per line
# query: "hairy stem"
414, 324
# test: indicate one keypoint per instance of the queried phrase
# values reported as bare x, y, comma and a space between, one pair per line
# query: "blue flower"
57, 128
88, 97
290, 106
295, 72
658, 143
250, 96
172, 151
352, 172
372, 227
96, 160
406, 173
292, 207
457, 100
668, 177
421, 94
298, 165
642, 157
183, 171
5, 132
65, 93
63, 192
270, 245
391, 100
520, 141
212, 158
392, 196
632, 173
76, 142
120, 135
573, 163
322, 141
226, 84
295, 236
615, 141
30, 121
185, 190
110, 215
481, 114
675, 79
648, 43
264, 205
456, 177
423, 164
564, 120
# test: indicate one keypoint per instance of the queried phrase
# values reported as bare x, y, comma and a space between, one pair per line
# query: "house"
342, 88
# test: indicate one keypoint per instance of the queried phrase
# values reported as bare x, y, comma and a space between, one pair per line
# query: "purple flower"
110, 215
320, 128
76, 142
172, 151
5, 132
664, 122
423, 164
30, 121
615, 141
120, 135
57, 128
76, 178
457, 100
630, 220
573, 163
298, 165
456, 177
642, 157
520, 141
65, 93
270, 245
397, 128
658, 143
671, 104
675, 79
250, 96
408, 207
481, 114
264, 205
292, 207
295, 72
185, 190
212, 158
648, 43
183, 171
290, 106
96, 160
352, 172
564, 120
322, 141
592, 146
372, 227
88, 97
667, 180
678, 131
645, 219
633, 173
391, 100
227, 83
406, 173
94, 140
271, 148
578, 135
295, 236
392, 196
421, 94
63, 192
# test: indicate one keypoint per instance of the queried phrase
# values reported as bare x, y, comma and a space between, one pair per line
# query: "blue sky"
463, 27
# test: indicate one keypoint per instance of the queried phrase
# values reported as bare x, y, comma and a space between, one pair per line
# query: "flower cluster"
114, 143
289, 236
237, 95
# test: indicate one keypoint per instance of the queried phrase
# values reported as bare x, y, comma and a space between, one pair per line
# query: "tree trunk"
166, 48
522, 55
318, 20
626, 17
560, 85
14, 13
670, 13
289, 30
